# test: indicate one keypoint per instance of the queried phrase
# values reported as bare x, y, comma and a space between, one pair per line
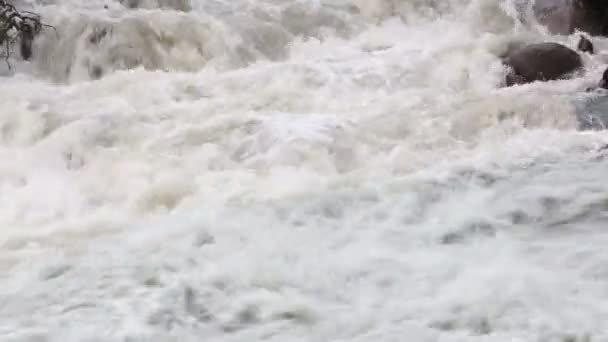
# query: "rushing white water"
313, 170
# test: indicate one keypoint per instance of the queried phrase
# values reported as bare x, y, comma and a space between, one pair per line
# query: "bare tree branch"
16, 26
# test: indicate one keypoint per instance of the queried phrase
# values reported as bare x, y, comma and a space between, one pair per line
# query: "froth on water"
297, 171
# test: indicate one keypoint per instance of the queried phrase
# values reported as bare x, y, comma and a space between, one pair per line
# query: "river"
311, 171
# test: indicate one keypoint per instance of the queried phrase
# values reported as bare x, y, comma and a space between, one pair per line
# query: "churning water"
313, 170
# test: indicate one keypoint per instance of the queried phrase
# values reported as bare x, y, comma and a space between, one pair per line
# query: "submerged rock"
592, 112
592, 109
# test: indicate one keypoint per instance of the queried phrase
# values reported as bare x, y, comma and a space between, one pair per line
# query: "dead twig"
21, 26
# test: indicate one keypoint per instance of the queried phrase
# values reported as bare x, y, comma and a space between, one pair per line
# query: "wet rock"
603, 83
540, 62
568, 16
585, 45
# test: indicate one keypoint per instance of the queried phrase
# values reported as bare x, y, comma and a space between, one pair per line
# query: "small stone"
585, 45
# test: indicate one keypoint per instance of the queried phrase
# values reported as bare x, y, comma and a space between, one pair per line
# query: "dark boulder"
585, 45
567, 16
603, 83
540, 62
590, 16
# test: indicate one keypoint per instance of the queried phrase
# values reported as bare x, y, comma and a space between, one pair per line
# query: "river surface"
310, 171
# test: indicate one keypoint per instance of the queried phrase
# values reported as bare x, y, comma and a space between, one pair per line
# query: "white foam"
308, 171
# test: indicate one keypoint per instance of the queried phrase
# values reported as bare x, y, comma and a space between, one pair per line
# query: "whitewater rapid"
316, 170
